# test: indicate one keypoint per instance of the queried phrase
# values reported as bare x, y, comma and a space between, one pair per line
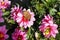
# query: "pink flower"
48, 28
25, 18
3, 31
15, 11
4, 4
19, 35
1, 19
47, 19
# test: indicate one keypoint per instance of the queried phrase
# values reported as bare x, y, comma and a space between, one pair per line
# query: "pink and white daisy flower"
4, 4
3, 31
19, 35
26, 18
23, 17
48, 28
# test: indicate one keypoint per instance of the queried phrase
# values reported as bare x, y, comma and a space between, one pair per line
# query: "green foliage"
6, 13
52, 11
58, 13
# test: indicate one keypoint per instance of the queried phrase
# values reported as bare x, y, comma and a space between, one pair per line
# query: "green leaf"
43, 39
6, 13
52, 11
58, 13
51, 38
11, 21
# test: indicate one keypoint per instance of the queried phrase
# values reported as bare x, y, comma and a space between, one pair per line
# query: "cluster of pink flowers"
25, 18
19, 35
3, 31
4, 4
48, 28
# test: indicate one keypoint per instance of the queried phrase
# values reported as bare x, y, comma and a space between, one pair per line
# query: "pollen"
2, 3
19, 38
1, 35
27, 15
47, 31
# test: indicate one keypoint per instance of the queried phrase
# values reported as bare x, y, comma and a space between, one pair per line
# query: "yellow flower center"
1, 35
26, 15
2, 3
19, 38
47, 31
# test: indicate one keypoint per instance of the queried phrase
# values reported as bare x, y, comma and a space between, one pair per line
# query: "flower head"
47, 19
48, 28
1, 19
3, 31
15, 11
19, 35
4, 4
26, 18
23, 17
36, 35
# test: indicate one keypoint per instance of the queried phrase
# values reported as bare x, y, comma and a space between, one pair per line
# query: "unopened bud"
36, 35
